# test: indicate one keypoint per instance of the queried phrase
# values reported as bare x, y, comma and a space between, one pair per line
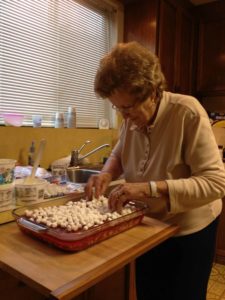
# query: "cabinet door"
166, 28
185, 53
14, 289
140, 22
211, 54
211, 72
167, 50
176, 36
114, 287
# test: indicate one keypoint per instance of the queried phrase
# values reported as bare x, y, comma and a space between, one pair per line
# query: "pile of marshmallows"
78, 215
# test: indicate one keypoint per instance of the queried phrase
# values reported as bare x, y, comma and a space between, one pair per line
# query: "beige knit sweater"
180, 148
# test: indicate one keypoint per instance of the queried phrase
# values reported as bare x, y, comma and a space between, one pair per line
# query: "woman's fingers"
88, 189
117, 199
97, 185
120, 195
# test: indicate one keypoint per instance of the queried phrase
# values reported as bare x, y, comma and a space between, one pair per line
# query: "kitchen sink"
80, 175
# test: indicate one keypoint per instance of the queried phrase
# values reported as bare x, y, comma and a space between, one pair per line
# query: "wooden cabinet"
167, 47
14, 289
211, 49
111, 288
140, 22
167, 28
115, 287
185, 53
175, 46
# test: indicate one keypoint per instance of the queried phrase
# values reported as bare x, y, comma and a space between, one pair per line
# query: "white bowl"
31, 192
13, 119
7, 167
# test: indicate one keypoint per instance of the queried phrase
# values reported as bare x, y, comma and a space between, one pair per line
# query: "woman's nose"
125, 114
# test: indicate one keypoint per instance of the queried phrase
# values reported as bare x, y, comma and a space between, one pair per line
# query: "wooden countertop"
64, 275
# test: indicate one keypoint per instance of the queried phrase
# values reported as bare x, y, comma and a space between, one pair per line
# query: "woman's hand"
97, 185
127, 191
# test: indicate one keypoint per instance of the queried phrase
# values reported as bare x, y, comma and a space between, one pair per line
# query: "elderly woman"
169, 158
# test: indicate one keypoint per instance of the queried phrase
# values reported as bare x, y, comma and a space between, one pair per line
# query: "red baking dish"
81, 239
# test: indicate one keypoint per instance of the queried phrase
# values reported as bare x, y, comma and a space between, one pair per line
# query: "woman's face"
140, 113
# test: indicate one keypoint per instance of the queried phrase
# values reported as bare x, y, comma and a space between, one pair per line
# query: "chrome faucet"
75, 159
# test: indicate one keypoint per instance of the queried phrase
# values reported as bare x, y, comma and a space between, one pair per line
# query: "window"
49, 53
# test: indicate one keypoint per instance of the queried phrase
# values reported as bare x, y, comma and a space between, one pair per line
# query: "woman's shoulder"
185, 102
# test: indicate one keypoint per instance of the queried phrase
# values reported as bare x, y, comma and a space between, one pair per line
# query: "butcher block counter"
56, 274
62, 275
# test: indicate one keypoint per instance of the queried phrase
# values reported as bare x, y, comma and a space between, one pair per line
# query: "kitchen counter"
61, 275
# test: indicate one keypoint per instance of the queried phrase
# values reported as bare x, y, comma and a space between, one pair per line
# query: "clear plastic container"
59, 120
71, 117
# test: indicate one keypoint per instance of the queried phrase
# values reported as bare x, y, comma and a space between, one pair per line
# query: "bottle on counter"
71, 117
220, 147
59, 120
224, 156
31, 154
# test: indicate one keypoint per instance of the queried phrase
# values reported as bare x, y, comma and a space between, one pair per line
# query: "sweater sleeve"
201, 154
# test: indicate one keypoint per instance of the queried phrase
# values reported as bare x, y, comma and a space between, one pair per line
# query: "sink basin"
80, 175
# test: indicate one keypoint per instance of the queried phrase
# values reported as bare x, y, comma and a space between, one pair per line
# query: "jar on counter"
220, 147
71, 117
31, 154
59, 120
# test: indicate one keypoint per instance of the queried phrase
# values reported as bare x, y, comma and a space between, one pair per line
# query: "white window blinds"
49, 53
